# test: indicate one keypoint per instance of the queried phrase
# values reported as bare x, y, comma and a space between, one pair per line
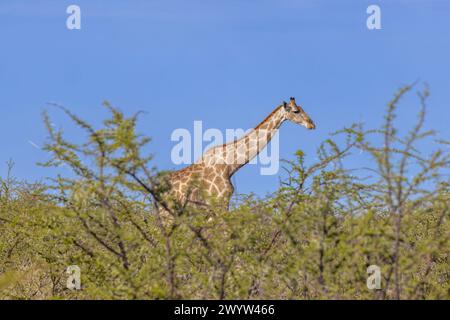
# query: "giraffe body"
198, 180
210, 176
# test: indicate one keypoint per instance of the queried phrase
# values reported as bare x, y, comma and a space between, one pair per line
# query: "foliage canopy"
313, 238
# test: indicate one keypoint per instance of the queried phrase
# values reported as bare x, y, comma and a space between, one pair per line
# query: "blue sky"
227, 63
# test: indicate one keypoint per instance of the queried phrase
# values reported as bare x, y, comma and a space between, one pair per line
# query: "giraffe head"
296, 114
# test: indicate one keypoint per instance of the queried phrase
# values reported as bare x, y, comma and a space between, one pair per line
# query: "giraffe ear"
286, 106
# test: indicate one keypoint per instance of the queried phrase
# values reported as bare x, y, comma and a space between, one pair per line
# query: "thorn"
34, 144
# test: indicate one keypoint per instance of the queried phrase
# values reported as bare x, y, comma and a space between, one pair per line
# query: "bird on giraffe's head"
296, 114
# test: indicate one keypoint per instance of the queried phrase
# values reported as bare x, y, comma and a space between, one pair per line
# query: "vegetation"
314, 238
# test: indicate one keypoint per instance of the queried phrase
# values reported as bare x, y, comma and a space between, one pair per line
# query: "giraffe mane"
269, 116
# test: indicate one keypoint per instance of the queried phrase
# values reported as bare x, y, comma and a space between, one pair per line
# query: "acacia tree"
313, 238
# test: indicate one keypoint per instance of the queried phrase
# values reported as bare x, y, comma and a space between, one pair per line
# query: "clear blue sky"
227, 63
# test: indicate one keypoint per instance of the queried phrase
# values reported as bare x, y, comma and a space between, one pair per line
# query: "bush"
314, 238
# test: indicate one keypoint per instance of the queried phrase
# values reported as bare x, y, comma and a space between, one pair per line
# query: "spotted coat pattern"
210, 176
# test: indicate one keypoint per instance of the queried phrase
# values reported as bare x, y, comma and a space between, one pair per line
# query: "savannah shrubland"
313, 238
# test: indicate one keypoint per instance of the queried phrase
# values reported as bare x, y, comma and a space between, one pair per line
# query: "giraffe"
210, 176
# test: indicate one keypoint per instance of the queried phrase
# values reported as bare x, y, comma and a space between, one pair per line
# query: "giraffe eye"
296, 111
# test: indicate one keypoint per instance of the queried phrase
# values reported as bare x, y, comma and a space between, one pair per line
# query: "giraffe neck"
238, 153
